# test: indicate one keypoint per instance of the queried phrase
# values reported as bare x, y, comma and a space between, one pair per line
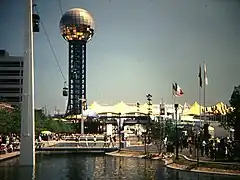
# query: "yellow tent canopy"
144, 108
94, 105
221, 108
120, 107
46, 132
195, 109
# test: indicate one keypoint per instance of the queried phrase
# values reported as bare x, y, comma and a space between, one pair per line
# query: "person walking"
94, 140
86, 139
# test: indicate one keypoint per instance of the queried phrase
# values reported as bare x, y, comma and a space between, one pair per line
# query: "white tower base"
27, 145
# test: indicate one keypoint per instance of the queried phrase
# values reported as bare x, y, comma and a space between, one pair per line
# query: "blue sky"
140, 47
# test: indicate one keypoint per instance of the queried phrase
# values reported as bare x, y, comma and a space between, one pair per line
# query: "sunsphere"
77, 28
77, 24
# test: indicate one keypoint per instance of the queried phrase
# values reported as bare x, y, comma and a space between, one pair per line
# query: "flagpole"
204, 93
200, 113
200, 107
173, 105
173, 102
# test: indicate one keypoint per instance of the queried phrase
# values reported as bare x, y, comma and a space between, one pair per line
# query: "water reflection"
76, 167
27, 173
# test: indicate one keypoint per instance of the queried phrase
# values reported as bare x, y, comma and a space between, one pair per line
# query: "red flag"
177, 90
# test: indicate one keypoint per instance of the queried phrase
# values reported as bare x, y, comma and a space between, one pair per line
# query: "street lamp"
161, 124
138, 107
149, 100
177, 141
145, 139
119, 122
138, 114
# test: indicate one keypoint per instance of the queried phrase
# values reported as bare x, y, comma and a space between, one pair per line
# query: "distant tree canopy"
43, 122
160, 130
233, 118
10, 122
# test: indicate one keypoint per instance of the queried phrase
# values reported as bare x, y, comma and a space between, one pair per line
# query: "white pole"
27, 146
204, 94
200, 102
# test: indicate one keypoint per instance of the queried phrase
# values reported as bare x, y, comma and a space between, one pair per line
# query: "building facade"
11, 78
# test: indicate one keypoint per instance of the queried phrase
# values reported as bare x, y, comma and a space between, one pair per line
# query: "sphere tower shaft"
77, 77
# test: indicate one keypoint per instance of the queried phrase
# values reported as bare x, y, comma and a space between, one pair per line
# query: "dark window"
10, 81
12, 99
11, 73
10, 90
10, 64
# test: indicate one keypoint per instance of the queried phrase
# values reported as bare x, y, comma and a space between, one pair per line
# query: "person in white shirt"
94, 140
203, 147
86, 138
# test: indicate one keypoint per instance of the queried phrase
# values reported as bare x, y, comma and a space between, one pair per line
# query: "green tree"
232, 120
157, 134
10, 122
14, 121
4, 115
44, 122
170, 130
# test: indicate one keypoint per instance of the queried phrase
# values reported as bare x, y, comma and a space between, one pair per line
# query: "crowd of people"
214, 148
8, 142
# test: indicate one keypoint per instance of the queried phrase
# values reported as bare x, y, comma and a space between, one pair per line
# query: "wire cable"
60, 6
50, 45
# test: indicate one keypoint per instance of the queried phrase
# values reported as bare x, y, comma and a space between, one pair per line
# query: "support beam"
27, 146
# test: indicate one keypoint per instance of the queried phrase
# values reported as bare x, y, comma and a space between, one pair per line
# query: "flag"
177, 90
205, 74
174, 88
200, 76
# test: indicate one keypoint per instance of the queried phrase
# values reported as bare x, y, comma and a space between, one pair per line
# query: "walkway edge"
210, 162
117, 154
168, 163
9, 156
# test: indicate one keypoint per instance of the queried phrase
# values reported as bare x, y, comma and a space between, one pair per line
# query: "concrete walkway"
209, 161
184, 153
9, 155
170, 164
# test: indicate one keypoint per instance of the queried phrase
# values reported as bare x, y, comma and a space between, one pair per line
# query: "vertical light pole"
138, 114
138, 107
197, 146
161, 121
176, 126
27, 146
119, 130
149, 99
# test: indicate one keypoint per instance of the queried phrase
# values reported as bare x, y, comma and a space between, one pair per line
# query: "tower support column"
77, 79
27, 146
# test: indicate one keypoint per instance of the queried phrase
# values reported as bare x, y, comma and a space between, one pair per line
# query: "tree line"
10, 121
